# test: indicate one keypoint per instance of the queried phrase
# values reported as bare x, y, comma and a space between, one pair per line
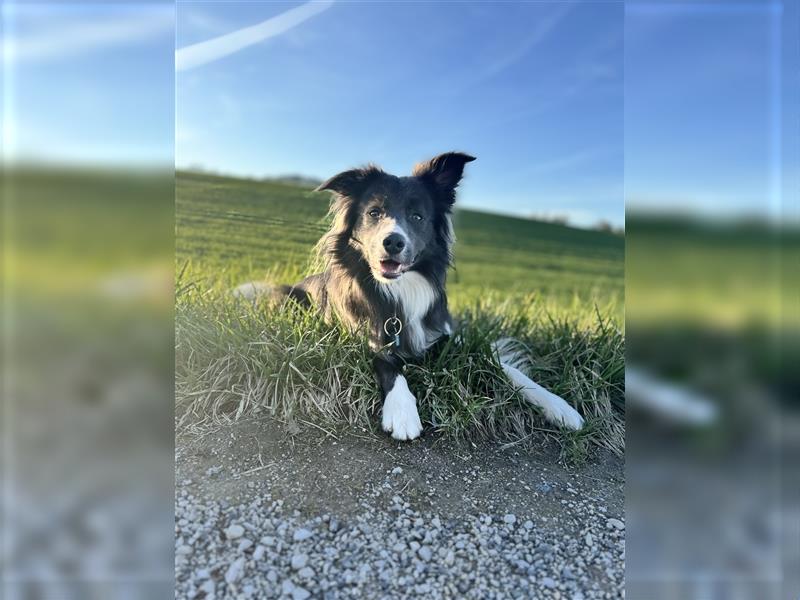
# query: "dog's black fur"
387, 255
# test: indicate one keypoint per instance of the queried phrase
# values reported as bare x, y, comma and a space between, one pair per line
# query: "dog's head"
395, 223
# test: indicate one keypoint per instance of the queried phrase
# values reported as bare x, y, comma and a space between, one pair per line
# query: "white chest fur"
415, 295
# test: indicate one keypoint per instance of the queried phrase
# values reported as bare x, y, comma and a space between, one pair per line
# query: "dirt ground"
314, 473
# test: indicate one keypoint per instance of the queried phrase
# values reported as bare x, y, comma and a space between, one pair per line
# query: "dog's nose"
394, 243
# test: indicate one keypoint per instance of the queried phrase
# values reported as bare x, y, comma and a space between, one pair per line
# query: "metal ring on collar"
395, 322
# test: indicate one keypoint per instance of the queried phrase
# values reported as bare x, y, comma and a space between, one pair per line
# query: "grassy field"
714, 306
230, 231
557, 289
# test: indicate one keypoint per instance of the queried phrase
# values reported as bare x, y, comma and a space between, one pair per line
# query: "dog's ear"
350, 183
444, 172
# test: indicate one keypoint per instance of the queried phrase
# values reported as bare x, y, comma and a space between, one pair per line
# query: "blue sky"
88, 83
534, 90
704, 90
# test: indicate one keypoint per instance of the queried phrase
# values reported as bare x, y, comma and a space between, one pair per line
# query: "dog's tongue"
390, 267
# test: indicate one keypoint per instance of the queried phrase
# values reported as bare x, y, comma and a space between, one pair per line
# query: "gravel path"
239, 534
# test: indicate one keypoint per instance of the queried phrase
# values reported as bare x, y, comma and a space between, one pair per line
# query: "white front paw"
563, 414
400, 415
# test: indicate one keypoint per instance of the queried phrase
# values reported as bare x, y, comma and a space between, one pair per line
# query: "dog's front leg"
400, 416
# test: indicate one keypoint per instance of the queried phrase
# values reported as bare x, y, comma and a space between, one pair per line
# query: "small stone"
184, 550
258, 553
333, 526
589, 540
287, 587
615, 524
268, 540
302, 534
425, 553
548, 582
306, 572
299, 561
509, 519
234, 531
528, 524
299, 593
234, 572
244, 544
208, 587
543, 549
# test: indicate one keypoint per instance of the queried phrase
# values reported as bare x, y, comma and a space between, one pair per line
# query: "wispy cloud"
67, 38
569, 161
202, 53
538, 34
557, 99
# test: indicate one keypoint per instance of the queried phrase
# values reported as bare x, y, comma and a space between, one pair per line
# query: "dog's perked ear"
350, 183
444, 172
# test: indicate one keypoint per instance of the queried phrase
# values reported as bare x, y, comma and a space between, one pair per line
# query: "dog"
387, 255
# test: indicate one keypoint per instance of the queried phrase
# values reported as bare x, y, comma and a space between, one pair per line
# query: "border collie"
387, 255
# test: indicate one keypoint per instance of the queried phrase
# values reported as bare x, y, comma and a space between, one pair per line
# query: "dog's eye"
416, 217
375, 213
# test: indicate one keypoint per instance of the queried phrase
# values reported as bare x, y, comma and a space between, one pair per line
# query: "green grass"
556, 289
71, 228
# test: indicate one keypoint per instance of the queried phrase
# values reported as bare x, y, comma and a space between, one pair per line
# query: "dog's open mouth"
391, 269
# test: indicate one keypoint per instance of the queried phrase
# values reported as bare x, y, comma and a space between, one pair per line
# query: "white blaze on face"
400, 231
391, 265
390, 226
